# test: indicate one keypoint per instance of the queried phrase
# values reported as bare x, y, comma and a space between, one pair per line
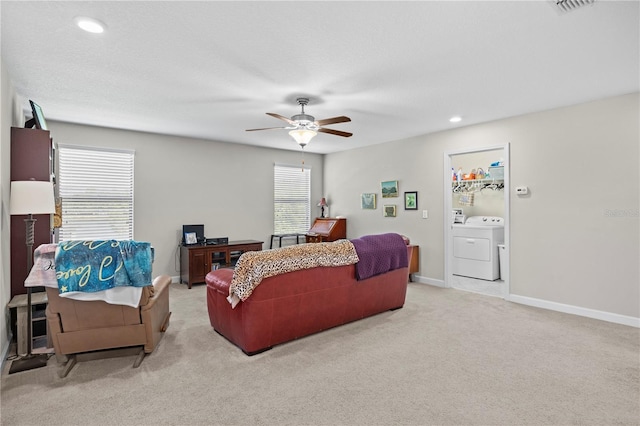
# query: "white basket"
496, 172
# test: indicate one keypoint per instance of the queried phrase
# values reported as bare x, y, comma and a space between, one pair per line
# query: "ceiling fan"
303, 127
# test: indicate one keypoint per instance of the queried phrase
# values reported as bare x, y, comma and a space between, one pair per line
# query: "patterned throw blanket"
254, 266
379, 254
92, 266
43, 272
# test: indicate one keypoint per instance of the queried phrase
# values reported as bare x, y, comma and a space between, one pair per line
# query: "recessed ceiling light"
90, 25
455, 119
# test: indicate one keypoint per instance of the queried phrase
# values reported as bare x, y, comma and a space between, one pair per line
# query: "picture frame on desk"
190, 238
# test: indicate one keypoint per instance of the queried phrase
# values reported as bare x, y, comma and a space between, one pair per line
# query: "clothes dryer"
475, 247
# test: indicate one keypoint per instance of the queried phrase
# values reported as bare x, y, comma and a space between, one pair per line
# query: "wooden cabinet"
198, 266
327, 229
198, 260
31, 158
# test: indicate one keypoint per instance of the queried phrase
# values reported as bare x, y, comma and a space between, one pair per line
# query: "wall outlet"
425, 214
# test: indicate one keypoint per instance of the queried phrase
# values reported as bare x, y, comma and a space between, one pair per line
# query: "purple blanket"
379, 254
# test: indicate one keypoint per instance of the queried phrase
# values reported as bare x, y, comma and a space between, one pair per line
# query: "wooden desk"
196, 261
327, 229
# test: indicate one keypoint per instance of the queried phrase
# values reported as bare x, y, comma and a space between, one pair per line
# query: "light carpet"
448, 357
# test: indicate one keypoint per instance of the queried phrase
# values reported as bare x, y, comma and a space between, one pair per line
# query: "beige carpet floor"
448, 357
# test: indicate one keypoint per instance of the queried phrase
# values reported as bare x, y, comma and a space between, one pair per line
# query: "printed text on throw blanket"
99, 265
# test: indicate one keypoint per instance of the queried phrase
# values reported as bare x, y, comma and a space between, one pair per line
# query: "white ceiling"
398, 69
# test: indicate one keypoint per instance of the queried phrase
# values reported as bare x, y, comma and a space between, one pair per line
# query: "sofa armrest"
220, 280
160, 286
155, 313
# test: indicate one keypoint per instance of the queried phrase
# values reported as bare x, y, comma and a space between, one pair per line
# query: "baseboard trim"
175, 279
552, 306
427, 280
575, 310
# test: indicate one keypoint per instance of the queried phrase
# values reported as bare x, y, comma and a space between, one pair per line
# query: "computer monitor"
38, 118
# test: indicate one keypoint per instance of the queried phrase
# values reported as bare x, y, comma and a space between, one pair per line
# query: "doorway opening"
474, 188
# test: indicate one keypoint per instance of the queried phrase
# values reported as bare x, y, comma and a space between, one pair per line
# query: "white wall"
6, 97
226, 187
574, 239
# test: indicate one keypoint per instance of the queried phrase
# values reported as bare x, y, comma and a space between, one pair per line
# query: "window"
291, 199
96, 189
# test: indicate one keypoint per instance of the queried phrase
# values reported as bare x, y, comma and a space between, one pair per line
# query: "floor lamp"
28, 198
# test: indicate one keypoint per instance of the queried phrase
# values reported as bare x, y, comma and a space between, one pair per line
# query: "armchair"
79, 326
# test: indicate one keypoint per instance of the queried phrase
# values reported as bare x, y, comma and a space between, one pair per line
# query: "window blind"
96, 190
291, 199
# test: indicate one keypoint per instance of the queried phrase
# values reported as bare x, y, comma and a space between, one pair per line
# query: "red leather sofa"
299, 303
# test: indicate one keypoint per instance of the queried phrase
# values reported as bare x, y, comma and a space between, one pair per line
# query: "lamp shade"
322, 203
31, 197
302, 136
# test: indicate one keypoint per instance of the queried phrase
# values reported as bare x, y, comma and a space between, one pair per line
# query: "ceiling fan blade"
335, 132
334, 120
282, 117
265, 128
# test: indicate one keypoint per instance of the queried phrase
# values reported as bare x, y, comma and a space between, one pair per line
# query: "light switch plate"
425, 214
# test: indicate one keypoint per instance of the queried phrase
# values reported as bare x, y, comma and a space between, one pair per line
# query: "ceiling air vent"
569, 5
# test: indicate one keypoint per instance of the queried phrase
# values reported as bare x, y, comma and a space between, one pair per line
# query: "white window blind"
291, 199
96, 189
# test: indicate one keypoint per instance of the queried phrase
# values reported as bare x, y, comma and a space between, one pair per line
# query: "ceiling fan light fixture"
303, 127
302, 136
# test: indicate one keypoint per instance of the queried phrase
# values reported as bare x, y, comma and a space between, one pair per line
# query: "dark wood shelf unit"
196, 261
31, 158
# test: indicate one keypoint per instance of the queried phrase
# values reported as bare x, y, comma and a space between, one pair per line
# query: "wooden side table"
414, 260
19, 302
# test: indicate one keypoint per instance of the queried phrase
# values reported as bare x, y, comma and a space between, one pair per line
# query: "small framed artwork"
411, 200
190, 238
389, 210
368, 201
389, 188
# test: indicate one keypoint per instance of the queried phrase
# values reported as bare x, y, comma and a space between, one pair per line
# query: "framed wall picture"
389, 188
368, 201
389, 210
411, 200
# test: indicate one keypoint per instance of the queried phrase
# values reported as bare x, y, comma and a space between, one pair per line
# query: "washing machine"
475, 247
